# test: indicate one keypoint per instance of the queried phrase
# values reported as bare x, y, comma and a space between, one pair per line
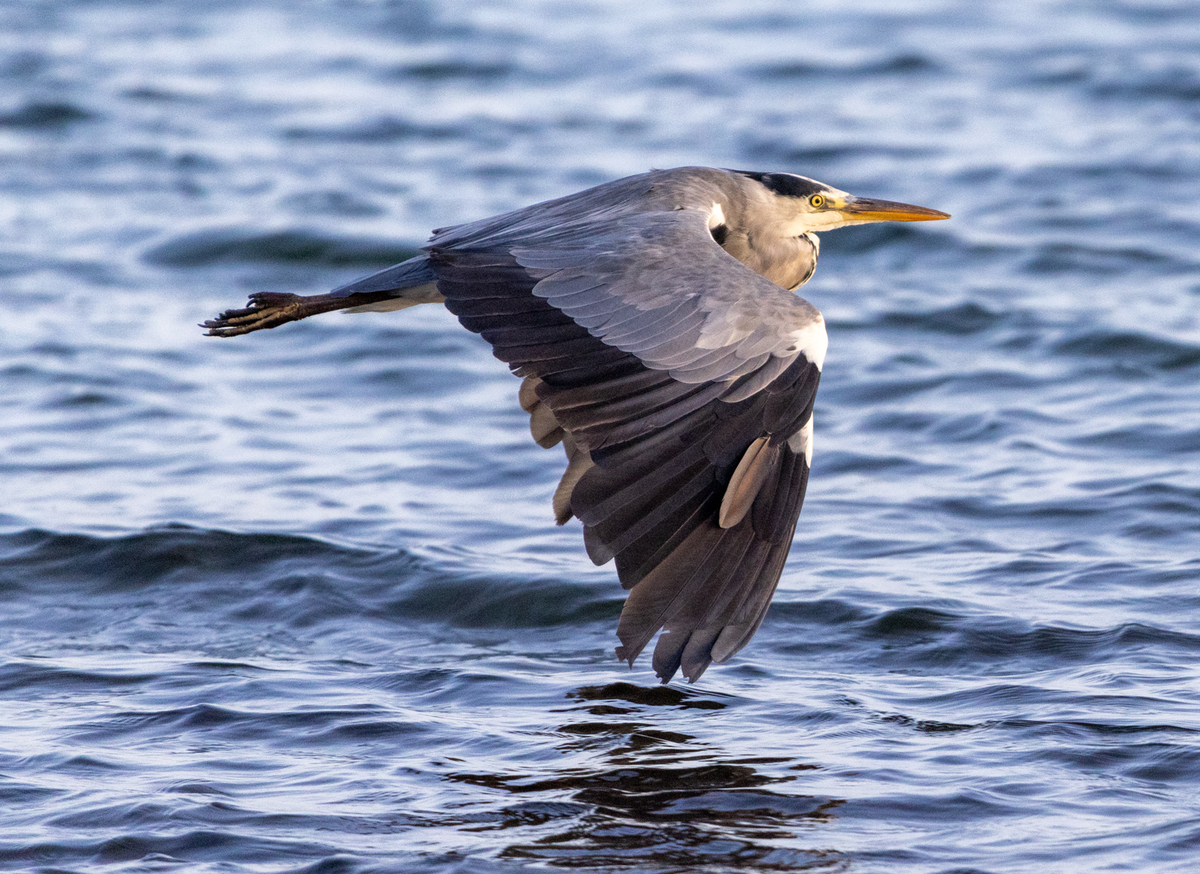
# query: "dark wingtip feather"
668, 653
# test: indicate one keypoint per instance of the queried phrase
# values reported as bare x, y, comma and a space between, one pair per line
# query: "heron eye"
817, 201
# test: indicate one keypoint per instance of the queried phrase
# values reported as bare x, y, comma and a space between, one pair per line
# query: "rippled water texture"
295, 602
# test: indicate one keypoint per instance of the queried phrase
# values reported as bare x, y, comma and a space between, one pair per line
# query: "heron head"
810, 205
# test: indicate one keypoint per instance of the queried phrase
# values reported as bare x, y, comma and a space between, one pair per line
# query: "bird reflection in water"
657, 797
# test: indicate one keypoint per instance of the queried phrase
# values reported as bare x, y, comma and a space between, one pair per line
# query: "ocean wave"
248, 245
300, 581
41, 115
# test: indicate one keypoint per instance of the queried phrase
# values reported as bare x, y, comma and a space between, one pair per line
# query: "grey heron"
654, 325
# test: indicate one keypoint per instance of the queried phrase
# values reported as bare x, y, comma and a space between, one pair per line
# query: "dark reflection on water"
654, 696
657, 799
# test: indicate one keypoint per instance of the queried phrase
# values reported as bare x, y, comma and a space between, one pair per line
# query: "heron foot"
266, 310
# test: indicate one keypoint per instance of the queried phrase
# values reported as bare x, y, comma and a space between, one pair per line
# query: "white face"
826, 218
817, 212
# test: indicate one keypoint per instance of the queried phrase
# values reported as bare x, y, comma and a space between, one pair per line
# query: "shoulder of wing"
658, 285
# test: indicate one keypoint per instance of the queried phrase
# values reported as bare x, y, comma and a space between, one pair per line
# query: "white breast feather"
812, 342
716, 218
802, 441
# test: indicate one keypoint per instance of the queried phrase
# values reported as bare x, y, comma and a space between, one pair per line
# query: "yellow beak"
864, 209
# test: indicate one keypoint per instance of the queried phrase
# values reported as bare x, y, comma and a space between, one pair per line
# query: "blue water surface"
296, 601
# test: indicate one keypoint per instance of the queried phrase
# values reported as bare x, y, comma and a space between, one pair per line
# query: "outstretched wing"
681, 384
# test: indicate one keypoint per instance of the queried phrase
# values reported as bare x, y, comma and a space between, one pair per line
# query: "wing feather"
637, 329
613, 390
659, 361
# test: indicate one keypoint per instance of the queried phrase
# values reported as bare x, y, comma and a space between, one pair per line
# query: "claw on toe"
266, 310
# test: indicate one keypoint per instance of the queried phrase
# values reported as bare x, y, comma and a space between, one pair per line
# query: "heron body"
653, 322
